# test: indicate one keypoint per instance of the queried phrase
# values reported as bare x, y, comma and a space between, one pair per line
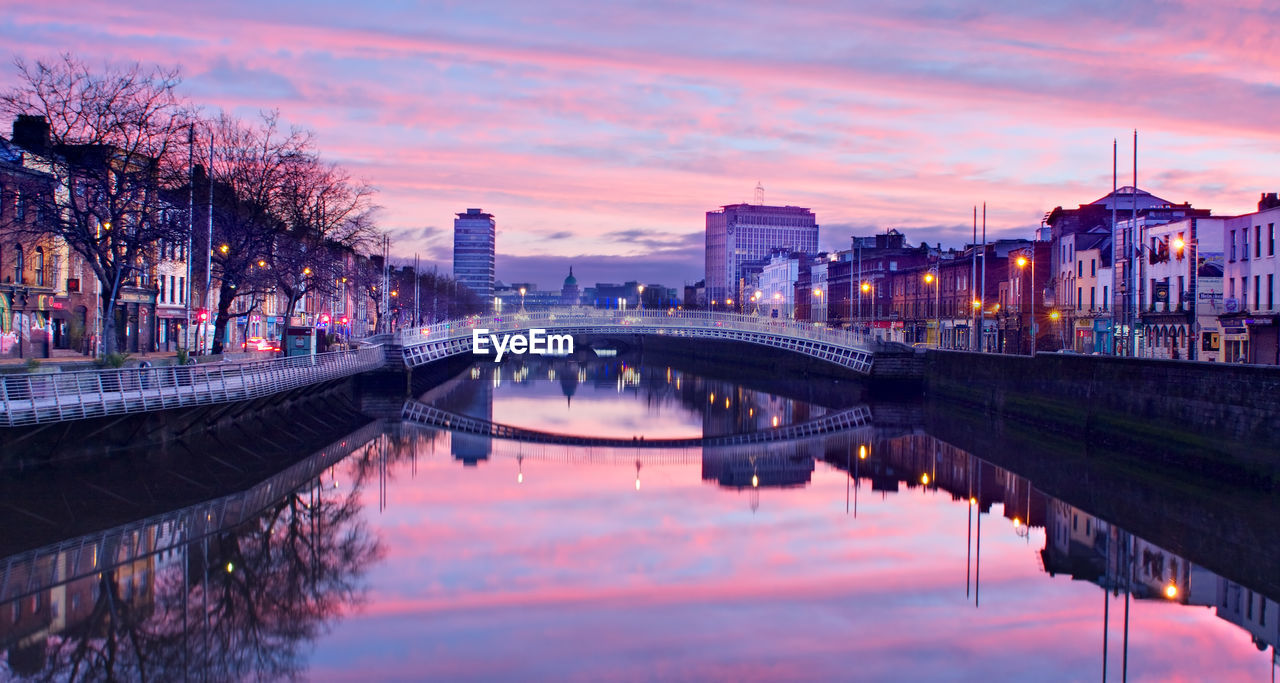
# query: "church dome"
571, 281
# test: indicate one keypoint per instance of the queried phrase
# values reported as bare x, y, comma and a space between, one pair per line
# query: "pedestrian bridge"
815, 340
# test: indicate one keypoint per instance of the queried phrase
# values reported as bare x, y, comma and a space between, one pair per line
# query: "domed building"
570, 295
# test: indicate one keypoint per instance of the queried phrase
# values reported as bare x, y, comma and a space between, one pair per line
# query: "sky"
599, 134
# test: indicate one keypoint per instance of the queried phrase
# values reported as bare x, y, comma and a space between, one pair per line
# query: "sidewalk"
68, 357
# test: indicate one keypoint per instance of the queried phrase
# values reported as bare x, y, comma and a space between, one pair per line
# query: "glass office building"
474, 242
740, 239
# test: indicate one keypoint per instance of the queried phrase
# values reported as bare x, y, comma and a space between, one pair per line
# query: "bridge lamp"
866, 287
928, 278
1171, 590
1022, 261
728, 302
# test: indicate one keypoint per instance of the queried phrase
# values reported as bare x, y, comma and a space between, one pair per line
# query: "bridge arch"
451, 338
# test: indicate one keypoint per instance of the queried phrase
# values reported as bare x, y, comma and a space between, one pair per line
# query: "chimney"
31, 132
1270, 200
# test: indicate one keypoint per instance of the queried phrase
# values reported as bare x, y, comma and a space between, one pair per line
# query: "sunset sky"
599, 134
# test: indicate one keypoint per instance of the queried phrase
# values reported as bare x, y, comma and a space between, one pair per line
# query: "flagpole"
982, 291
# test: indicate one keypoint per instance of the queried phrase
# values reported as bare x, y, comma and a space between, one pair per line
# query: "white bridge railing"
39, 398
816, 339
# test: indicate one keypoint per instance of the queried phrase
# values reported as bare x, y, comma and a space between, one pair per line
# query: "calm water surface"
428, 554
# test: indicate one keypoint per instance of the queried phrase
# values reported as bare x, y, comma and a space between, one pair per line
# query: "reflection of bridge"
430, 416
42, 568
848, 350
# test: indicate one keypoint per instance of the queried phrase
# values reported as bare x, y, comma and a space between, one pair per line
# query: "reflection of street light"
637, 475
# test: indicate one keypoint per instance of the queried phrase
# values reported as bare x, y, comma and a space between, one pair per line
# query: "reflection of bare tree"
238, 605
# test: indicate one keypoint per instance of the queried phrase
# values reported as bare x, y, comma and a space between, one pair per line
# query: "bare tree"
250, 171
326, 215
110, 145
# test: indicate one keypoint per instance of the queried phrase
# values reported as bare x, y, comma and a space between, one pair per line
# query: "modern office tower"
740, 238
474, 241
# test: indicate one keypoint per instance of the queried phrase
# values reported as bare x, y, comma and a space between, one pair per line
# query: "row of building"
51, 296
1127, 274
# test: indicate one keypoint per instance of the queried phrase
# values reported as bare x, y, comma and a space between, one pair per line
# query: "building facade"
474, 244
740, 239
1250, 321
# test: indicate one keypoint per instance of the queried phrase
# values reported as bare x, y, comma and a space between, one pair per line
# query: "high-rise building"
474, 241
740, 238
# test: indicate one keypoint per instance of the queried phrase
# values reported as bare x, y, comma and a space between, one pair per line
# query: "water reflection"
823, 556
218, 591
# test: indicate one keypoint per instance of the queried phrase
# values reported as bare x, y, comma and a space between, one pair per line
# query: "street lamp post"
935, 277
522, 290
640, 296
1193, 324
1022, 264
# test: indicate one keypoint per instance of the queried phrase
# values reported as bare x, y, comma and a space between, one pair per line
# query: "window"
1257, 290
182, 289
1271, 239
39, 266
1244, 292
19, 204
1093, 301
1257, 241
17, 264
1079, 297
1079, 268
1104, 297
1093, 267
1233, 245
172, 283
1271, 292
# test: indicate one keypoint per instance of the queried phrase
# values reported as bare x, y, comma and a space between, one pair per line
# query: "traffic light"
202, 315
343, 320
324, 318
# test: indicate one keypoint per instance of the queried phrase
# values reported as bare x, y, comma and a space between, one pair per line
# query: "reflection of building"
474, 243
1254, 612
473, 399
770, 468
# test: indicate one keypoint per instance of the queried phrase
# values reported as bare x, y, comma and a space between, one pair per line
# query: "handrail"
675, 319
54, 397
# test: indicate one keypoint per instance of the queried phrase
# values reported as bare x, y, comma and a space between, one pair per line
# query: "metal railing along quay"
41, 398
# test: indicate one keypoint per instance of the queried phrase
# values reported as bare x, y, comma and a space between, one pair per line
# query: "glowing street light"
522, 290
